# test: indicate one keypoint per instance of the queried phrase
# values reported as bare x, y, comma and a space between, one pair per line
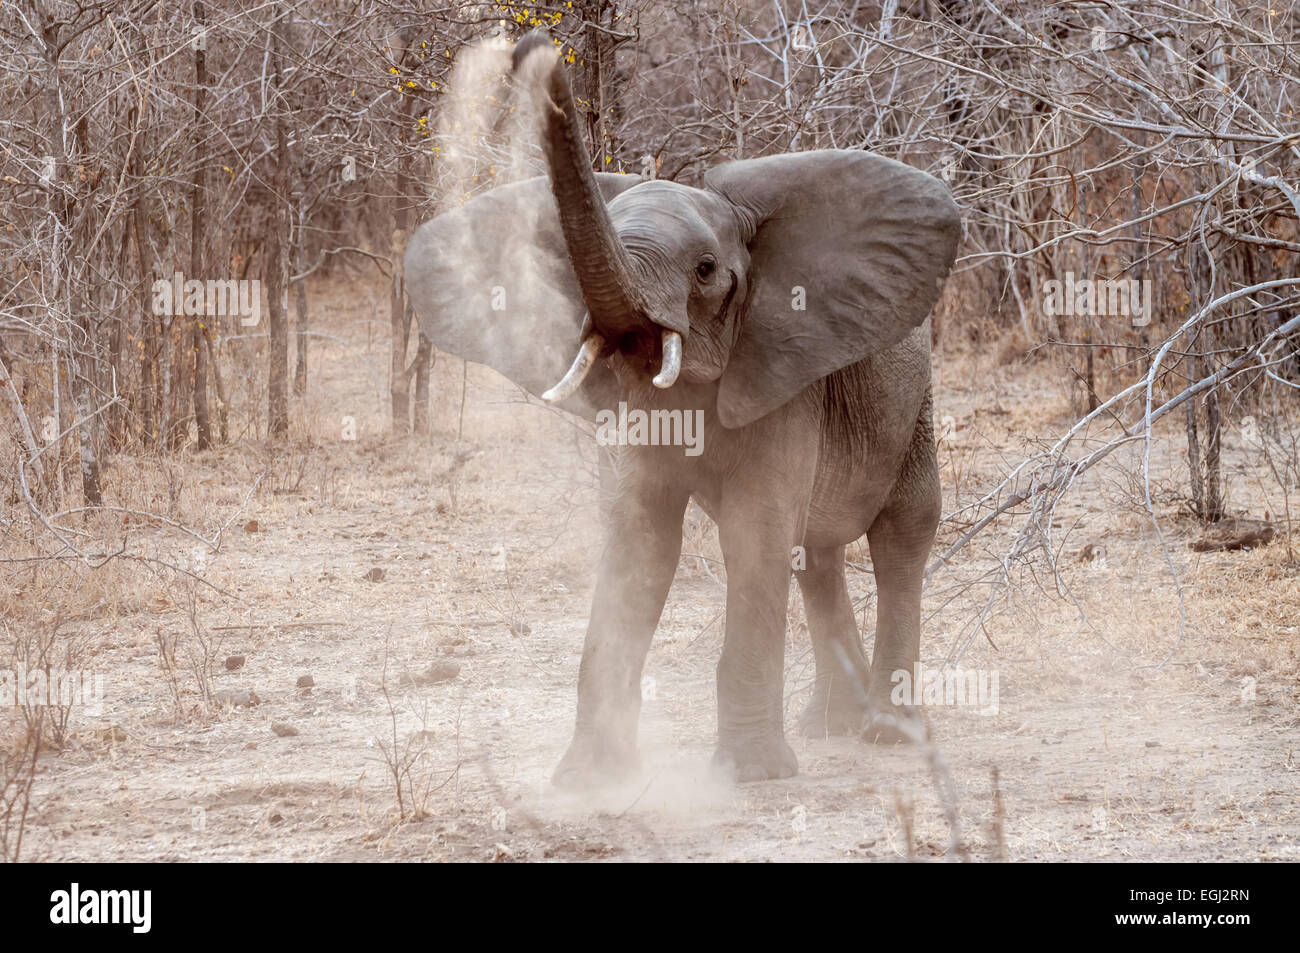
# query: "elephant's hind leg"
901, 538
839, 700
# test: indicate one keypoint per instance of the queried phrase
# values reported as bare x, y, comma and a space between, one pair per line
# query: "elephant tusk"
581, 367
671, 365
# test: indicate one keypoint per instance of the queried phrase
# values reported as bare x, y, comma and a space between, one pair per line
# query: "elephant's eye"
704, 269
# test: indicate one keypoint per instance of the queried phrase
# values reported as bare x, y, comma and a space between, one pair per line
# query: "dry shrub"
20, 751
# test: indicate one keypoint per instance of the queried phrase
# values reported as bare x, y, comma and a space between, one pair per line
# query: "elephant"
785, 301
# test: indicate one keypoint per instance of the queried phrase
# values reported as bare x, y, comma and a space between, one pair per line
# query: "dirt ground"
374, 558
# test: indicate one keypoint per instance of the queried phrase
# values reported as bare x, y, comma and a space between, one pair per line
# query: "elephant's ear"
849, 253
491, 282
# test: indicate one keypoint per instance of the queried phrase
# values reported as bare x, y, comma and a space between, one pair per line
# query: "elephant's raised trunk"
616, 306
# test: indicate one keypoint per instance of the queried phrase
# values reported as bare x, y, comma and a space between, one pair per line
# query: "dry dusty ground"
485, 550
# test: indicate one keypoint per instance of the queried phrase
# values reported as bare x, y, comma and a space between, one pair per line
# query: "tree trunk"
302, 319
115, 427
166, 360
223, 421
148, 344
1194, 443
423, 371
399, 380
68, 288
278, 252
1203, 459
1213, 476
198, 214
399, 311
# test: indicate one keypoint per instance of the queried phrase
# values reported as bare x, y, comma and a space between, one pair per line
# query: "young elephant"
786, 302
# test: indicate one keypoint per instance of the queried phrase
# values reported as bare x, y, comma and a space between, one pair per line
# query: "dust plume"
490, 276
488, 129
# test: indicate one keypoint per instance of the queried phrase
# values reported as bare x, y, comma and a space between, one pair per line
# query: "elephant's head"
776, 273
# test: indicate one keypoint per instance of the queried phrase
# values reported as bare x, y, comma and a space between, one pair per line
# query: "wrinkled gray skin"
817, 423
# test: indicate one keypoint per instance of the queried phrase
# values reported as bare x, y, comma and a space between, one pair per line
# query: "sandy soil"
374, 558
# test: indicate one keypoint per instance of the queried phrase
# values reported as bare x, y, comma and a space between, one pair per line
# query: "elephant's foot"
893, 728
762, 760
893, 725
833, 710
888, 721
594, 762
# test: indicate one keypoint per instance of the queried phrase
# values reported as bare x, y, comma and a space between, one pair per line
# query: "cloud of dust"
488, 131
671, 785
490, 277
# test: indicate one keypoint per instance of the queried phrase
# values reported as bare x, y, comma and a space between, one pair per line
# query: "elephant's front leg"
636, 569
756, 543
